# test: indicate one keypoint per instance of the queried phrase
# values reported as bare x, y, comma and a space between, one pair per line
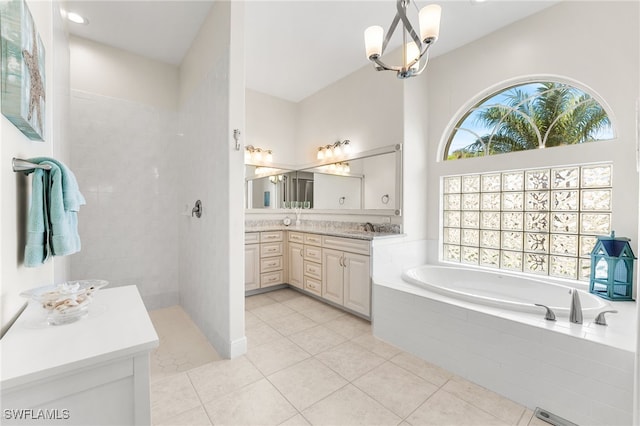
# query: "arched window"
527, 116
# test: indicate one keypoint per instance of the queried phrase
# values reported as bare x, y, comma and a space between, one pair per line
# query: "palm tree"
553, 114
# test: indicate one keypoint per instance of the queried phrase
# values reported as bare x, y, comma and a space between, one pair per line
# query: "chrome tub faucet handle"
549, 315
601, 320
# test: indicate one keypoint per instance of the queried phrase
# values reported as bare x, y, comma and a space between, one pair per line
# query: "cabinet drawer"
296, 237
313, 239
351, 245
271, 278
251, 237
268, 250
313, 286
270, 264
313, 270
267, 237
313, 254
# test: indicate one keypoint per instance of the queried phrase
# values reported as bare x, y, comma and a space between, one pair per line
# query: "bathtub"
483, 326
502, 290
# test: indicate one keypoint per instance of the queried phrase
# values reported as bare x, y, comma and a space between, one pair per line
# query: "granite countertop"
334, 232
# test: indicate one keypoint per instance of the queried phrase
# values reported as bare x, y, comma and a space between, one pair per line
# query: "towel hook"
197, 209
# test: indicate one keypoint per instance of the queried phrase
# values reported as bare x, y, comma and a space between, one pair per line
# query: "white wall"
124, 144
211, 248
551, 42
100, 69
365, 107
15, 188
271, 124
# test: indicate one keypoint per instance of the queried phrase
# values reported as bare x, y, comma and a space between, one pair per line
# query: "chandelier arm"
392, 28
382, 66
402, 13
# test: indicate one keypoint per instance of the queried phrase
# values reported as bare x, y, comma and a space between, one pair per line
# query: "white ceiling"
293, 48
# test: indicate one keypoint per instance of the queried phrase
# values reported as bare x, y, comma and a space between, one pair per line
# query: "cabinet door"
332, 275
251, 266
357, 283
296, 264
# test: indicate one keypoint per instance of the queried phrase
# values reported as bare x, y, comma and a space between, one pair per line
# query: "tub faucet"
575, 311
368, 227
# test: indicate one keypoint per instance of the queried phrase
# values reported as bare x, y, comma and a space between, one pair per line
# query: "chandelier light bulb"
429, 18
412, 53
373, 37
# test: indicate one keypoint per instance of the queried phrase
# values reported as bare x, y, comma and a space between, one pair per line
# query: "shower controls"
197, 209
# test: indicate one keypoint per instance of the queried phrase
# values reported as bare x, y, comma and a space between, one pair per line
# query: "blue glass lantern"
612, 268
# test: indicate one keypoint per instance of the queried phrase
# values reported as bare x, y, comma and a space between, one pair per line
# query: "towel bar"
20, 165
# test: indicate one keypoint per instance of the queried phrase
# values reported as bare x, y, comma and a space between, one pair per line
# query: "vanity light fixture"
416, 46
260, 155
337, 150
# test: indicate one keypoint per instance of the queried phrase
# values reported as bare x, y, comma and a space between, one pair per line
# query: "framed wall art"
22, 70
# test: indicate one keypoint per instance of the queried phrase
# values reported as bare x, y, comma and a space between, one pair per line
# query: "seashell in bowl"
67, 302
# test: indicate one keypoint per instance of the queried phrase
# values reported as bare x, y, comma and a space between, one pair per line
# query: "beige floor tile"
219, 378
276, 355
256, 404
350, 360
349, 326
284, 295
443, 408
257, 301
377, 346
489, 401
260, 335
396, 388
274, 310
349, 406
422, 368
317, 339
182, 344
306, 383
194, 417
291, 324
250, 320
301, 304
297, 420
322, 313
172, 396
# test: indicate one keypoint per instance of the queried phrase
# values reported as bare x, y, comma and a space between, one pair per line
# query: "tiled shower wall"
124, 156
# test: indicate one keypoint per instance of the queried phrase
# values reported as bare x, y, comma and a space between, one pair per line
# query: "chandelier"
413, 49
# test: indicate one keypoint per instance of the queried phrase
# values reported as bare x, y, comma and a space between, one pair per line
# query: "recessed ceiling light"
77, 19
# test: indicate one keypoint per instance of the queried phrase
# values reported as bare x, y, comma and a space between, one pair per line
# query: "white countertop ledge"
117, 326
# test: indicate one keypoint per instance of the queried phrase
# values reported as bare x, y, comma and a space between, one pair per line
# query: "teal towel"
37, 249
52, 228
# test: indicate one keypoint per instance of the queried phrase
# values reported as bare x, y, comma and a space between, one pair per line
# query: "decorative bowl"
67, 302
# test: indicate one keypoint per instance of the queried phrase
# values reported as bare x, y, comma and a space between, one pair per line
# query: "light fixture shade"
412, 53
269, 156
320, 154
373, 40
429, 17
347, 146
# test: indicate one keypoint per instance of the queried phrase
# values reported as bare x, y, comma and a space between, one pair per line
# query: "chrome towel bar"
20, 165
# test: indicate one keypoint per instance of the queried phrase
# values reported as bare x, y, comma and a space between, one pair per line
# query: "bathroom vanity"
93, 371
333, 265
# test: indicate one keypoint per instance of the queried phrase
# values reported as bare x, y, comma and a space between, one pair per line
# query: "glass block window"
526, 116
540, 221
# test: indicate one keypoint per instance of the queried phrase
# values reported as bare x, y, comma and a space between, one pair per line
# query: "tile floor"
309, 363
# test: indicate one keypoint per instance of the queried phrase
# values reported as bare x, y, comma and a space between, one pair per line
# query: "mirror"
369, 181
